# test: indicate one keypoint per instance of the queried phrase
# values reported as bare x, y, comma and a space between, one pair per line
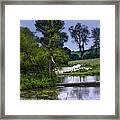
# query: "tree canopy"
80, 34
52, 33
96, 37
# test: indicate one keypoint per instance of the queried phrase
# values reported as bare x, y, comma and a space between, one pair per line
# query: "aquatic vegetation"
49, 94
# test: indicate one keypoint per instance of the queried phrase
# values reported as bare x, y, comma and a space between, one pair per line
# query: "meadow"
94, 64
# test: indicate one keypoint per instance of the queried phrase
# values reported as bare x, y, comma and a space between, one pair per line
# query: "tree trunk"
50, 65
81, 54
83, 47
80, 50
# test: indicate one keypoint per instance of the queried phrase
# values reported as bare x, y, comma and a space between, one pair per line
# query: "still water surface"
79, 93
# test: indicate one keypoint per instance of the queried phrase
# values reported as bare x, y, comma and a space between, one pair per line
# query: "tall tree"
53, 37
96, 38
80, 34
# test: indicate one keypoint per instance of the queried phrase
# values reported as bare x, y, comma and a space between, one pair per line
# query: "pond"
79, 93
65, 93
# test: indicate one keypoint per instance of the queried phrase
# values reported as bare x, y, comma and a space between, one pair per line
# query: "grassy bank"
88, 62
94, 64
48, 94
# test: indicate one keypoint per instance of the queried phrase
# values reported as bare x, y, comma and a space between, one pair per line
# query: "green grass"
88, 62
85, 73
92, 63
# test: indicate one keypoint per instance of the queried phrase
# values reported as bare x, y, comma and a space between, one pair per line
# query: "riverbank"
85, 67
70, 90
46, 89
86, 73
45, 94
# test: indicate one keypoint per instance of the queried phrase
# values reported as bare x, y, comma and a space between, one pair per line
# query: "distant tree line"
88, 54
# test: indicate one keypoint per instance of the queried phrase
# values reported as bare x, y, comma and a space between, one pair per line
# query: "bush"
32, 82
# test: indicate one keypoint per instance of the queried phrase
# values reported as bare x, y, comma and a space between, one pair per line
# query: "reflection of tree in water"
78, 79
82, 79
81, 92
86, 91
78, 93
72, 93
97, 78
96, 90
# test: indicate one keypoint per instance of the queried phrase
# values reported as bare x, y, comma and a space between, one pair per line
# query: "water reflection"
79, 93
77, 79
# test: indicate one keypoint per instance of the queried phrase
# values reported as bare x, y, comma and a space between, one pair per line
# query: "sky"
70, 44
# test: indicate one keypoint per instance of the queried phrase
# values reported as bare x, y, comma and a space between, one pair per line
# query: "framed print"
60, 60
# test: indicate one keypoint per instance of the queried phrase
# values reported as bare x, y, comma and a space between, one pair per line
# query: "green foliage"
52, 33
37, 82
28, 47
88, 54
67, 51
33, 63
96, 38
92, 53
52, 40
27, 41
32, 58
74, 57
60, 57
